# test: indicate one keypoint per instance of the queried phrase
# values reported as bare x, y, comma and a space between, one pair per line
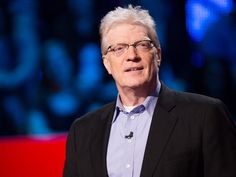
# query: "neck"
136, 96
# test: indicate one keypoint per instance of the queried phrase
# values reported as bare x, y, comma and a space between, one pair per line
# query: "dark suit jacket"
190, 136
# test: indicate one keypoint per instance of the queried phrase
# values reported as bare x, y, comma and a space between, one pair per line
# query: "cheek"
153, 67
115, 69
153, 63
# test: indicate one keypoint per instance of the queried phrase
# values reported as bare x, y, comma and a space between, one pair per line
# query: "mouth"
133, 69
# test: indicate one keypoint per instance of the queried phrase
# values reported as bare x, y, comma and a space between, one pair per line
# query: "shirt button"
127, 165
129, 140
132, 117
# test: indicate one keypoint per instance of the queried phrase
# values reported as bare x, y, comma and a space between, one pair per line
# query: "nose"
132, 53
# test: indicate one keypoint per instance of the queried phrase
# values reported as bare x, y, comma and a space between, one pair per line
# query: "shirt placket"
130, 126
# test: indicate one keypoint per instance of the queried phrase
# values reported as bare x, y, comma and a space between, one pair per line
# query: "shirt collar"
148, 104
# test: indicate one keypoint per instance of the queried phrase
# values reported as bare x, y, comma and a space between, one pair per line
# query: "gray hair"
132, 15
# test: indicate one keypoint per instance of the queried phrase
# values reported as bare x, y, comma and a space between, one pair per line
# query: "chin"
136, 85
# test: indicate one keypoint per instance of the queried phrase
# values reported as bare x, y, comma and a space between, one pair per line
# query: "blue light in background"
90, 72
26, 44
200, 14
37, 123
59, 64
13, 106
197, 60
224, 6
63, 103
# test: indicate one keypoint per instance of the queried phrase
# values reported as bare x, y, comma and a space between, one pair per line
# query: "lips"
134, 69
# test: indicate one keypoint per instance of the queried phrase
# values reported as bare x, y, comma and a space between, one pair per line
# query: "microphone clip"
131, 134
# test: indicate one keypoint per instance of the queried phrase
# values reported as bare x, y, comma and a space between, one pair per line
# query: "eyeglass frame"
110, 49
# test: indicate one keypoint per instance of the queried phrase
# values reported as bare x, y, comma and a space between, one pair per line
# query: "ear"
106, 63
158, 55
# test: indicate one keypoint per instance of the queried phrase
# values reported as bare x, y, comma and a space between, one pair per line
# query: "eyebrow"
147, 39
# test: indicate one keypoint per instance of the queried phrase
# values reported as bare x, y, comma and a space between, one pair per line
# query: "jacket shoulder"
169, 98
194, 98
92, 117
198, 105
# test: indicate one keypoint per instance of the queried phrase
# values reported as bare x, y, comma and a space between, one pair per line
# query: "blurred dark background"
51, 69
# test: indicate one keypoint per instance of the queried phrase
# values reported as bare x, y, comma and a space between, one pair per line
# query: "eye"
144, 45
119, 48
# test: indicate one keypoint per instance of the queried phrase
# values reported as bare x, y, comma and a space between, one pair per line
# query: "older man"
150, 130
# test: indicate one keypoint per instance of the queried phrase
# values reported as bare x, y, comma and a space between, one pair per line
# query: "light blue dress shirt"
128, 137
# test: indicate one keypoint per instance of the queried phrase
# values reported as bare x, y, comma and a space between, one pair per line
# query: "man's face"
134, 68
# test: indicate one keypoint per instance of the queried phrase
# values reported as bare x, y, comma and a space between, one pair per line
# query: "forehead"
127, 33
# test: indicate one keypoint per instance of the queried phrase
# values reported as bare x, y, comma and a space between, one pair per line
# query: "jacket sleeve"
219, 143
71, 161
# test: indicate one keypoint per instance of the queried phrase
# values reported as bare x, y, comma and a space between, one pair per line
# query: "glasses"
121, 48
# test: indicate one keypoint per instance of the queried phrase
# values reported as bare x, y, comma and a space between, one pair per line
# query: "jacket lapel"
162, 125
99, 142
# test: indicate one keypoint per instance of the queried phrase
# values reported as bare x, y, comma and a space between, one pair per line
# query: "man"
150, 130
